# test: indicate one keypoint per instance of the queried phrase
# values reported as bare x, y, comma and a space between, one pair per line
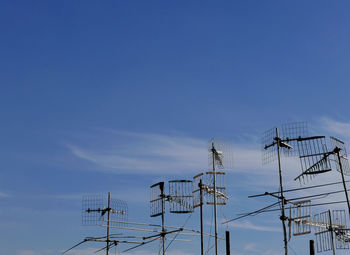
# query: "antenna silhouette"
220, 157
273, 144
180, 199
342, 163
315, 159
97, 211
331, 232
300, 214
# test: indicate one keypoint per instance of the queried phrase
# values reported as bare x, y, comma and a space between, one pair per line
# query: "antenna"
331, 232
220, 157
97, 210
323, 233
204, 183
315, 159
342, 163
273, 144
291, 132
342, 234
179, 198
300, 214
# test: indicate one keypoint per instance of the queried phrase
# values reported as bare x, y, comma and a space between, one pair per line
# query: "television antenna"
315, 158
99, 211
331, 232
220, 157
180, 200
273, 144
203, 183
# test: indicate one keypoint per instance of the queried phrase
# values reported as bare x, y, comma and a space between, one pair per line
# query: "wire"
210, 229
253, 213
303, 188
179, 231
292, 249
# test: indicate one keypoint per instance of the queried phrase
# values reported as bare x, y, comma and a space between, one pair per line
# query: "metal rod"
108, 218
331, 230
283, 217
228, 243
201, 214
343, 178
163, 228
215, 212
312, 247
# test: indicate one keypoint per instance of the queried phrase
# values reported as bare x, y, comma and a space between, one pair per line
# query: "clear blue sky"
116, 95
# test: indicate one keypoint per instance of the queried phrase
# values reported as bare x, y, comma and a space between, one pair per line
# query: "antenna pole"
163, 228
201, 212
343, 178
228, 251
108, 219
215, 212
312, 247
331, 230
283, 216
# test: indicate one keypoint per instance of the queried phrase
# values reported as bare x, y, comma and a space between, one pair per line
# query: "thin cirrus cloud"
250, 226
4, 195
155, 153
336, 128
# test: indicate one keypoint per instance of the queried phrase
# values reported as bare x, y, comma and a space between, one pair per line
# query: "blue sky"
118, 95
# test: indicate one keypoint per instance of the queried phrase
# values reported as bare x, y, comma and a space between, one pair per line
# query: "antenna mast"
283, 216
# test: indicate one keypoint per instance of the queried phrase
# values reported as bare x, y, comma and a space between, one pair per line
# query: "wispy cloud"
157, 153
145, 153
335, 127
249, 225
35, 252
4, 195
250, 247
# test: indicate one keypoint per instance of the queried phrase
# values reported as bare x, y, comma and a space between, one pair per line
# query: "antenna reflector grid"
341, 233
322, 233
301, 213
220, 193
221, 150
180, 196
92, 210
156, 197
314, 157
293, 130
119, 212
269, 152
196, 189
343, 155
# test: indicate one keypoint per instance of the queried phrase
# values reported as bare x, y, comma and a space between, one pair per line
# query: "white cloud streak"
4, 195
158, 154
146, 153
245, 224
